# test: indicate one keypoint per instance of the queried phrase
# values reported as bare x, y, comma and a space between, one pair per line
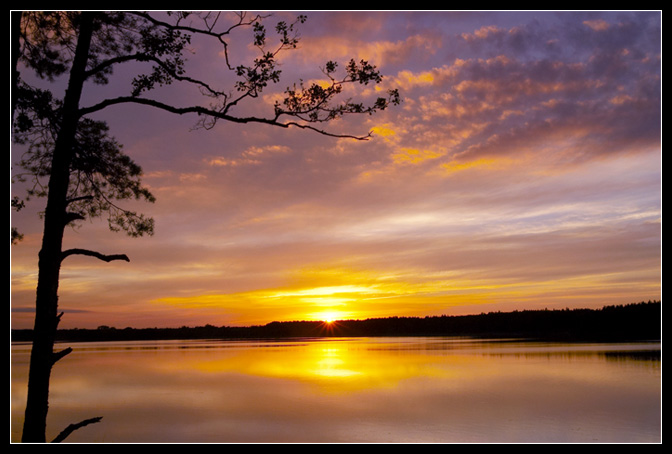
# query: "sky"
521, 171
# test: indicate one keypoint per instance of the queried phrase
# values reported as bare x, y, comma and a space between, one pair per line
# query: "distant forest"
630, 322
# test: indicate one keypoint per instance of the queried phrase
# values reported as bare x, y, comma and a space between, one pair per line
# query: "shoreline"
631, 322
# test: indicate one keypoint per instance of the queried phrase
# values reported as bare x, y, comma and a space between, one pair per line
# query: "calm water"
352, 390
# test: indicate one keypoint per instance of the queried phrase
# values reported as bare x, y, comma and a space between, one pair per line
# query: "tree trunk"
16, 50
46, 304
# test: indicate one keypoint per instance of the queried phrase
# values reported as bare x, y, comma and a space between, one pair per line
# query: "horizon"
336, 321
522, 171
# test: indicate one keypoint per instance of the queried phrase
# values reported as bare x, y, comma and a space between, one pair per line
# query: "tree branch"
69, 217
146, 58
98, 255
59, 355
77, 199
199, 110
72, 427
243, 21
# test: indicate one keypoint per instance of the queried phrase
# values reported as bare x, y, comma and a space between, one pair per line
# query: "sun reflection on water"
339, 365
369, 389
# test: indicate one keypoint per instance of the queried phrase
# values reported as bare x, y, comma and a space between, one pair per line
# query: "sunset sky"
521, 171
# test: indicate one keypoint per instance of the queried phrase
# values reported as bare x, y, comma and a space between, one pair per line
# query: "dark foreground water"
378, 390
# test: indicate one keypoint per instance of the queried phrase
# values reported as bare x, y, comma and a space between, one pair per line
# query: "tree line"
630, 322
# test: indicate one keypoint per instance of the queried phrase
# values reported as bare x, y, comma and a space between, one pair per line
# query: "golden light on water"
334, 365
350, 390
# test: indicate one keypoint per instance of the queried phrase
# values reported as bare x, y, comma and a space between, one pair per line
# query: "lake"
352, 390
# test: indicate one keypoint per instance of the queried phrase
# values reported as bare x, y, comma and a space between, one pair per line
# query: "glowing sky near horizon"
521, 171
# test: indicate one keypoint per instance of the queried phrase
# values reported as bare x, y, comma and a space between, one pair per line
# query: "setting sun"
329, 317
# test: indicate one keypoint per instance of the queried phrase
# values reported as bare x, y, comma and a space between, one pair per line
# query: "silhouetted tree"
80, 169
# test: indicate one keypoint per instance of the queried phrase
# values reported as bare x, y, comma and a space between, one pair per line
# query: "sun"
330, 324
329, 317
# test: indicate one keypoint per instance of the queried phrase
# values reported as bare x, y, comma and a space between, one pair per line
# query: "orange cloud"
597, 25
415, 156
482, 32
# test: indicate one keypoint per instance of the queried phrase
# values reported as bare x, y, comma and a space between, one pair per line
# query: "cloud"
485, 32
414, 156
250, 156
597, 25
608, 99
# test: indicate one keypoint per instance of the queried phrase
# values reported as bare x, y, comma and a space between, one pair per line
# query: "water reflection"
353, 390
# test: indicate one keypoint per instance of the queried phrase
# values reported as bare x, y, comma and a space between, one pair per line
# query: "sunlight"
324, 291
330, 294
329, 317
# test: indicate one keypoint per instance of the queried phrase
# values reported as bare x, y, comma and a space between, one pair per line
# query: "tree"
81, 170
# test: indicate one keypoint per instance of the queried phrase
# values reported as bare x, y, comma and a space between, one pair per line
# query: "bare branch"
70, 217
72, 427
326, 133
59, 355
77, 199
98, 255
